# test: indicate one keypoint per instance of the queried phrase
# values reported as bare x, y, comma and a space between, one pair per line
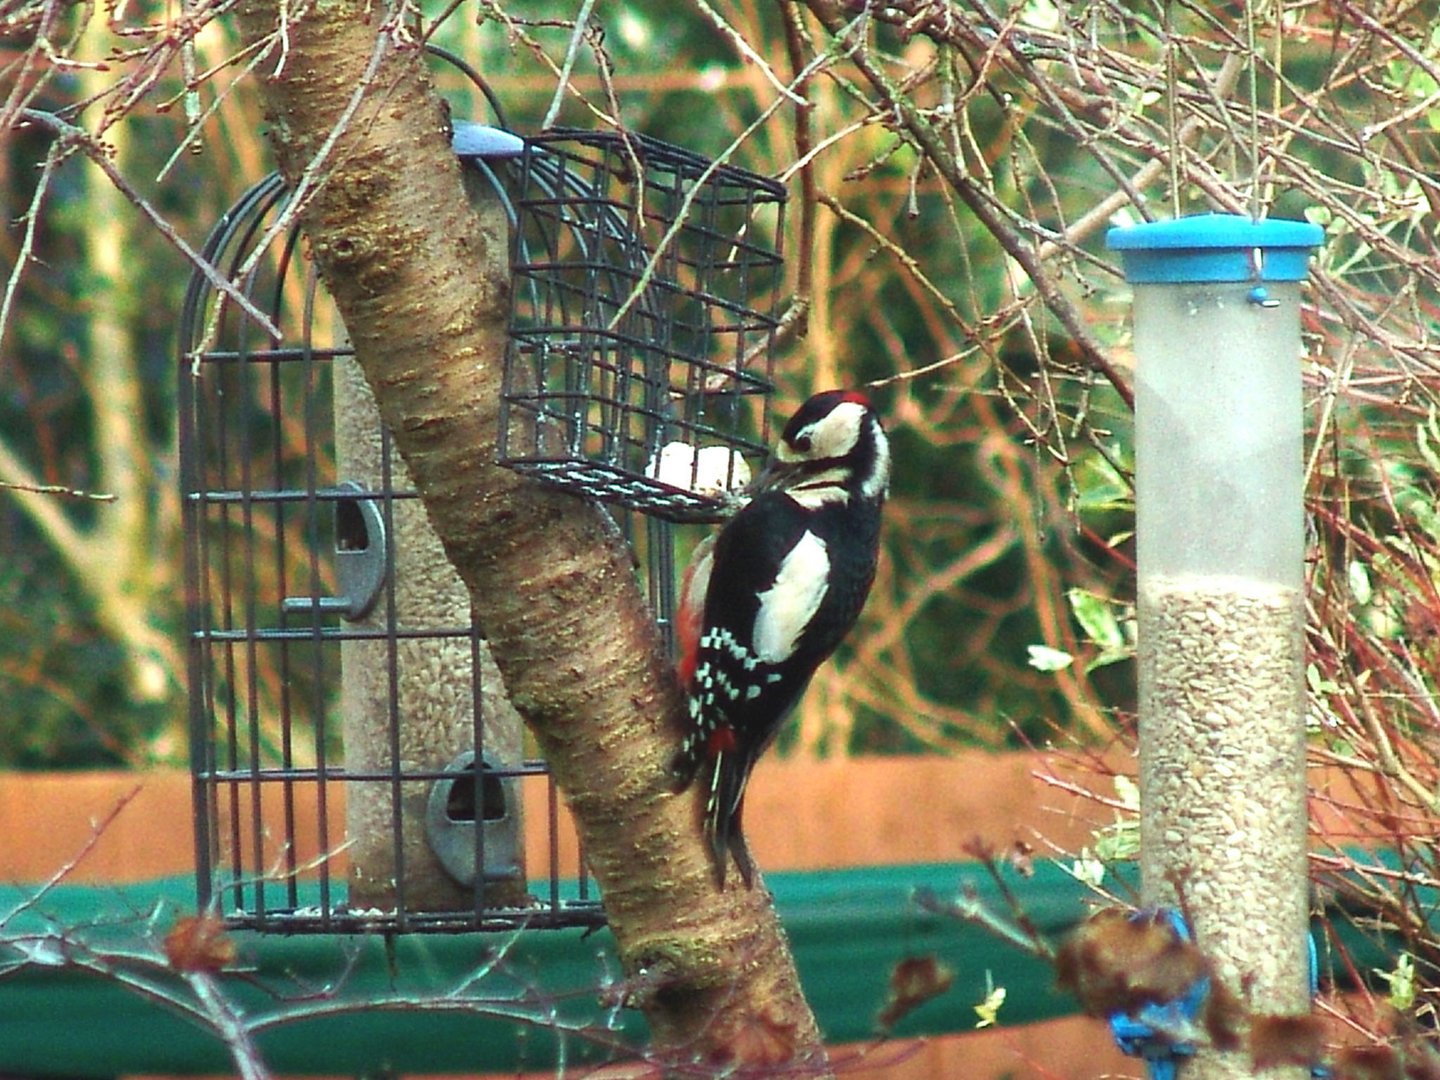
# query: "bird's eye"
802, 443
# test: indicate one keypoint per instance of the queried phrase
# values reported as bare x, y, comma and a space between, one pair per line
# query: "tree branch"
423, 291
931, 143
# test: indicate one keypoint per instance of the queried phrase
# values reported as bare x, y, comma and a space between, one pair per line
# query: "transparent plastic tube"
1219, 438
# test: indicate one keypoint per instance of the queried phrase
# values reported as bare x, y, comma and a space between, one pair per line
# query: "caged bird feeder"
644, 314
356, 762
1220, 536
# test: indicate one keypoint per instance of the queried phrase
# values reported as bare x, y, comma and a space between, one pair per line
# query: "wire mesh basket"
644, 311
356, 763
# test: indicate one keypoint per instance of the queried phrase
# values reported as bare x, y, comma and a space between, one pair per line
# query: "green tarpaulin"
327, 1004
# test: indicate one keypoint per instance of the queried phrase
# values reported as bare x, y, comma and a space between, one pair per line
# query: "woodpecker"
768, 598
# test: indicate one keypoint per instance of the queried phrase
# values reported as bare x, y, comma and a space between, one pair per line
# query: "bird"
768, 598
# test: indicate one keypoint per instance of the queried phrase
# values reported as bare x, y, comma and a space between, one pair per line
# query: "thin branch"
230, 1024
69, 135
45, 512
57, 489
979, 202
53, 156
97, 830
572, 52
794, 92
698, 186
310, 178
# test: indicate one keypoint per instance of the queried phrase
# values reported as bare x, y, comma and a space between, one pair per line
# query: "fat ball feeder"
645, 309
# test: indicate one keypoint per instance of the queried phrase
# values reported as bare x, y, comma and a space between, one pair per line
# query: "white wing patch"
787, 607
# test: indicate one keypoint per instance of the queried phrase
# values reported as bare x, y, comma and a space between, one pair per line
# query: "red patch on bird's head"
722, 741
857, 397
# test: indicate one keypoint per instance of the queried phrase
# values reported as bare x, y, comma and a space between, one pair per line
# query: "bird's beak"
776, 474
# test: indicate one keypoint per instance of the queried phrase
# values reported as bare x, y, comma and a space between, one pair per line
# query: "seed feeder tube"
1220, 535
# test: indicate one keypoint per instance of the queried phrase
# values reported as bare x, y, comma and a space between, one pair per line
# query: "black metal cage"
645, 301
356, 763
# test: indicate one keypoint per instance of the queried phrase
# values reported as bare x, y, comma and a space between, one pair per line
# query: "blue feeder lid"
1215, 247
469, 139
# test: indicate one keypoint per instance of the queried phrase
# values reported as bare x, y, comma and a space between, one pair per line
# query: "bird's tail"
729, 773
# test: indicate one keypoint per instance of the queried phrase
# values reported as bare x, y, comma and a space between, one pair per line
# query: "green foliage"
62, 680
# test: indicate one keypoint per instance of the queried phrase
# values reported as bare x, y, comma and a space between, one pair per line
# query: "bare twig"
97, 830
572, 51
57, 489
70, 135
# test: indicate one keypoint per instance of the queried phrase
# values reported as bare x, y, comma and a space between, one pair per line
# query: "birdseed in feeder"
1222, 753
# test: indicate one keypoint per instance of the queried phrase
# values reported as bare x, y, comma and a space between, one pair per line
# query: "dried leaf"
761, 1042
1117, 962
1368, 1063
1224, 1017
199, 943
1285, 1040
914, 981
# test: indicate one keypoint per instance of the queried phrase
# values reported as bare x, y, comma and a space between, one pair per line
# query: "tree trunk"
422, 289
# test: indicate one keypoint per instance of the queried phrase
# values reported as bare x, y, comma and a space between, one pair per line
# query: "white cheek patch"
837, 433
787, 607
833, 435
